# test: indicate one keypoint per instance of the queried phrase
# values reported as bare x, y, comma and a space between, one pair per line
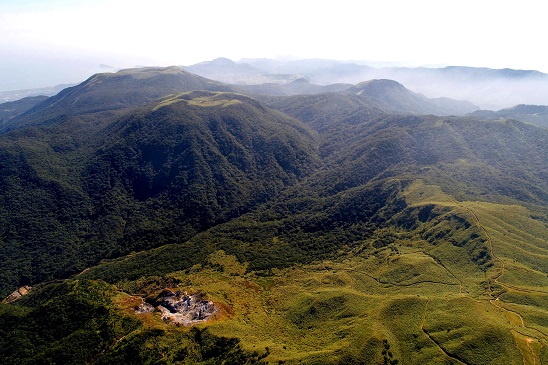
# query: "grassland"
339, 312
441, 281
210, 100
409, 302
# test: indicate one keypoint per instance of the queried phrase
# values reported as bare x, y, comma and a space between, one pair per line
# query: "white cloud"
476, 33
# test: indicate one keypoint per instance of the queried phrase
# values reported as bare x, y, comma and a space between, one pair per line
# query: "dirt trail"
424, 315
495, 280
452, 357
83, 271
493, 302
529, 340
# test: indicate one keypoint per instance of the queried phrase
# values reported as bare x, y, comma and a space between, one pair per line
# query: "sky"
50, 42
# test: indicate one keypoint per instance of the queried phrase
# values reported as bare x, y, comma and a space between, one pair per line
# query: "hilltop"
106, 95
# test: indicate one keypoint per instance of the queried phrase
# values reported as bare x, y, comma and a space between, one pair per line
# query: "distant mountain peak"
391, 96
379, 88
380, 84
300, 81
223, 60
134, 86
115, 92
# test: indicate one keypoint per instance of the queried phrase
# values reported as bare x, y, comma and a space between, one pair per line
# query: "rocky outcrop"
144, 308
180, 308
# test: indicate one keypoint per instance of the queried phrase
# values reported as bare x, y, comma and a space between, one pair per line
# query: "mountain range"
488, 88
339, 223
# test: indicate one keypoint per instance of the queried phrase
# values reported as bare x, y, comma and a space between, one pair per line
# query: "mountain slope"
431, 263
13, 108
364, 257
393, 97
326, 112
156, 175
536, 114
342, 234
470, 158
108, 94
360, 195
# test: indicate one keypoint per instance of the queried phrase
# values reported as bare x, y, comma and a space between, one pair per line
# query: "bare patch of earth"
180, 308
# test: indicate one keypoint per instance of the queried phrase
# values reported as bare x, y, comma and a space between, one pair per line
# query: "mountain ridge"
393, 97
536, 114
108, 93
488, 88
170, 169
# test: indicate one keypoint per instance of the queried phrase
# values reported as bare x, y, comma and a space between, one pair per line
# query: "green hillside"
535, 114
103, 97
12, 109
406, 246
155, 176
322, 228
393, 97
426, 288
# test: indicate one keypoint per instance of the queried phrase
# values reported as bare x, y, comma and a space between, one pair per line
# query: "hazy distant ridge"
489, 88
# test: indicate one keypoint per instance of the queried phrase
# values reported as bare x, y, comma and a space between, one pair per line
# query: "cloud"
166, 32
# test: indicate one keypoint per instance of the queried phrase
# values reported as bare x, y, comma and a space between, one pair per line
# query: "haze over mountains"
329, 222
488, 88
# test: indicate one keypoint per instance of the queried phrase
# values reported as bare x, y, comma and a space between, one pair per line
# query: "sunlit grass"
321, 313
408, 300
211, 101
216, 99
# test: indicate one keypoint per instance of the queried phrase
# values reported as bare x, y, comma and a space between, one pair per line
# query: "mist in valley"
490, 89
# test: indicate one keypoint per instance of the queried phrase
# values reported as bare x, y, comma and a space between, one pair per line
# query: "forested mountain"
159, 174
536, 114
105, 95
11, 109
351, 224
393, 97
383, 95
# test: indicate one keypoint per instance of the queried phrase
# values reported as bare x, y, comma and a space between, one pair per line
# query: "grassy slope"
407, 298
417, 299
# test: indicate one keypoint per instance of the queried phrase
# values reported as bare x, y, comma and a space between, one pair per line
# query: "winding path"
451, 356
495, 280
